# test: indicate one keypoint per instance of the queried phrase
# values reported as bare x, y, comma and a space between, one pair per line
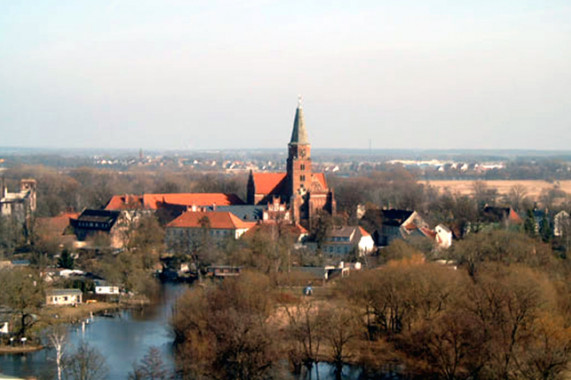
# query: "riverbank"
11, 350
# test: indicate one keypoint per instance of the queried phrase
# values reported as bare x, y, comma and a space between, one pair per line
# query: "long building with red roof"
155, 201
189, 228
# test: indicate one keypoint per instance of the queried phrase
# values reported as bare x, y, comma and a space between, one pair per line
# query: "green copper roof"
299, 133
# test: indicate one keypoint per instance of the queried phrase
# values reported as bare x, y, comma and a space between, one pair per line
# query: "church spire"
299, 133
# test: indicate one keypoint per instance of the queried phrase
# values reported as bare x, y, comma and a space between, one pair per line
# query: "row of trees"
502, 311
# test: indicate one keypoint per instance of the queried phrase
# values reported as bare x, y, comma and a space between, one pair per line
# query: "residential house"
506, 215
443, 236
103, 288
193, 227
398, 224
344, 240
63, 297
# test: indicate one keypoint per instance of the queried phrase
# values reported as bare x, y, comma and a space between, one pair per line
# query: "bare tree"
151, 367
86, 364
57, 337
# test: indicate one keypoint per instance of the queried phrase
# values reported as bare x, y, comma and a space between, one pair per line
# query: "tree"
545, 229
22, 291
151, 367
342, 327
57, 336
306, 331
223, 332
529, 224
86, 363
66, 260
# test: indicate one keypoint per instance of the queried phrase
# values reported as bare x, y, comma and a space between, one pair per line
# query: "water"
126, 338
122, 340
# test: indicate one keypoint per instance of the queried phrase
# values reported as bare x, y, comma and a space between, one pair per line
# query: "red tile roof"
192, 199
125, 202
218, 220
321, 178
151, 201
266, 183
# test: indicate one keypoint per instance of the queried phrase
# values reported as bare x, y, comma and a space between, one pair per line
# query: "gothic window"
302, 178
302, 166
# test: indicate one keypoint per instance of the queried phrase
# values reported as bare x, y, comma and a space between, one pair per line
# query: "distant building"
102, 287
443, 236
93, 223
344, 240
192, 227
398, 224
304, 192
155, 201
63, 297
507, 215
18, 205
223, 271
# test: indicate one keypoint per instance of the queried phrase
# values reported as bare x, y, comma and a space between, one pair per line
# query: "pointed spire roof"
299, 133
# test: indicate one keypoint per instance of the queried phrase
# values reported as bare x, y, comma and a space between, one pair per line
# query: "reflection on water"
123, 340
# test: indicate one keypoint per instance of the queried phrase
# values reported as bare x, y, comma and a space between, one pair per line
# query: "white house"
63, 296
101, 287
343, 240
443, 238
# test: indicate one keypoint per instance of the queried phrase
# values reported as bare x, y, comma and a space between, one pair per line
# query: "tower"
299, 157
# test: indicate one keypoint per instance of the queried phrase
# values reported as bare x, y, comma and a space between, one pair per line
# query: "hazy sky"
226, 74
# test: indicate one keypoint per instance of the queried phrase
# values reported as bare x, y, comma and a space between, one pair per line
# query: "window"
302, 178
302, 166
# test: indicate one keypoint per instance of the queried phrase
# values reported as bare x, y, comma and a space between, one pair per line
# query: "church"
305, 193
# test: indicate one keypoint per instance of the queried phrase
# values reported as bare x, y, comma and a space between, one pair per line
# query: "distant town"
359, 251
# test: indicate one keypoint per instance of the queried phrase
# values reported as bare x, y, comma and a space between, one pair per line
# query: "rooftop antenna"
299, 101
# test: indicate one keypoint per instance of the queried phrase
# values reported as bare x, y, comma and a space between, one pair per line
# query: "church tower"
299, 174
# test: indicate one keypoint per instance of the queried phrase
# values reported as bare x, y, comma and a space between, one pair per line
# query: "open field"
533, 187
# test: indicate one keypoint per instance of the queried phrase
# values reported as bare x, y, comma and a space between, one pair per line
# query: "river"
124, 339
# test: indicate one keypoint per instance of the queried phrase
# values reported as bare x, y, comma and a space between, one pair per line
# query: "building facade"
18, 205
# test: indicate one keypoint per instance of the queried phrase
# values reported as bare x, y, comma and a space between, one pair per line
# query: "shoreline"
57, 315
15, 350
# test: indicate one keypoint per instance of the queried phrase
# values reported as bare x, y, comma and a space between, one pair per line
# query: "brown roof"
57, 224
294, 229
217, 220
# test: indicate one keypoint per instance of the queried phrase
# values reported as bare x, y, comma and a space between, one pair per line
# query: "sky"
212, 74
